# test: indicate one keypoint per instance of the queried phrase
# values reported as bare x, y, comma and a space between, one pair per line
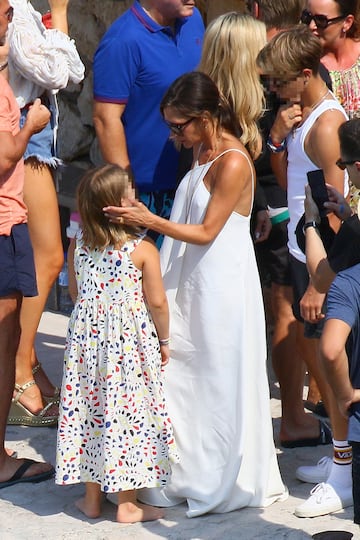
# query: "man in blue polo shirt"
141, 54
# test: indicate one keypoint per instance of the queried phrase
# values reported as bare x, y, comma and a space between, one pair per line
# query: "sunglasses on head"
177, 129
321, 21
342, 164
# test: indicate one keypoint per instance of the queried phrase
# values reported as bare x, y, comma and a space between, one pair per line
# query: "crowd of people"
210, 139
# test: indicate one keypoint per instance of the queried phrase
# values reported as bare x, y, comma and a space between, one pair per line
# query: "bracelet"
276, 147
164, 341
4, 66
310, 224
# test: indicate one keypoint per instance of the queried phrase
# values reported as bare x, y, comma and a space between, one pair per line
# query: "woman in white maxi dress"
216, 382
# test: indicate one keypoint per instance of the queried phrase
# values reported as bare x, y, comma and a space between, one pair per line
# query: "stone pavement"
46, 511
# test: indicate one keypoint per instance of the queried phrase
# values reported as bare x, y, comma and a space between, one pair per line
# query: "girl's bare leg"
131, 511
90, 504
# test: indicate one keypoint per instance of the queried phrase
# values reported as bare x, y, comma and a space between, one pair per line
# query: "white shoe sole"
311, 478
315, 474
323, 508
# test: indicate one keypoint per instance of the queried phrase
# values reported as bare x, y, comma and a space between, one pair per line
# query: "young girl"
114, 431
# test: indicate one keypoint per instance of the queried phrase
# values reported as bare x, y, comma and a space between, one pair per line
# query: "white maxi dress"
216, 382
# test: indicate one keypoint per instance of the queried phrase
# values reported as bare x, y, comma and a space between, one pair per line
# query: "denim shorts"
41, 145
17, 269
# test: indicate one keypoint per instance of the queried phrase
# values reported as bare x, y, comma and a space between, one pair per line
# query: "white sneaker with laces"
315, 474
324, 500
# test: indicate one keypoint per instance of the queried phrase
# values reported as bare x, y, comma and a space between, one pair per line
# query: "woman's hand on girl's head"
134, 213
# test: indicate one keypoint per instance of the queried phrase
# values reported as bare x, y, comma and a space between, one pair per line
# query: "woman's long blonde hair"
231, 45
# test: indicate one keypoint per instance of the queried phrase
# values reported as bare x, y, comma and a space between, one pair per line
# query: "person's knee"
57, 263
49, 264
282, 302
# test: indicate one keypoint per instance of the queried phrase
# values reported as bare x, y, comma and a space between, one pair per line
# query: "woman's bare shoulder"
235, 155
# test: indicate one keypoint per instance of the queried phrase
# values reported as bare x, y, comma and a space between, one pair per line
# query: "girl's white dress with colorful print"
114, 429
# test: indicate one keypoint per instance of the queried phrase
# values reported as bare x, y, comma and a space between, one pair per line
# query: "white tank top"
298, 165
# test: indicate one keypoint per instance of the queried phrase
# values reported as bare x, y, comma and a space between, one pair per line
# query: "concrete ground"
46, 511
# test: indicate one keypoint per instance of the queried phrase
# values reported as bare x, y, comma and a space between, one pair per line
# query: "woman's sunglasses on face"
321, 21
177, 129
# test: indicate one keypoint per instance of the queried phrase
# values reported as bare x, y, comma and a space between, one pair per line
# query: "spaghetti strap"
250, 165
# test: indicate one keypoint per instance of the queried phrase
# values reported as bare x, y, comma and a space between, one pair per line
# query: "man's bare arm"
111, 134
13, 147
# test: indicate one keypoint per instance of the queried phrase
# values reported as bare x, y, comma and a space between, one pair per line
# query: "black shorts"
17, 269
300, 282
356, 479
273, 256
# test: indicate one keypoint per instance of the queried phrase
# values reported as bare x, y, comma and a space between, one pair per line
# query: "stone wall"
88, 20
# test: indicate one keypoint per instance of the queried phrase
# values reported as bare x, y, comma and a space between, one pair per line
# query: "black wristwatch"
309, 224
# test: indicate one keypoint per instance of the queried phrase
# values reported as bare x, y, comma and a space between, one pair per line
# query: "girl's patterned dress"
114, 429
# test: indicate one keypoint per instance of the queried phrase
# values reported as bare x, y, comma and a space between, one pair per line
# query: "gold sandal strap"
21, 389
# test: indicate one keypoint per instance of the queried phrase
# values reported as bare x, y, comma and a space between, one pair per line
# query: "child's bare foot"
133, 512
91, 509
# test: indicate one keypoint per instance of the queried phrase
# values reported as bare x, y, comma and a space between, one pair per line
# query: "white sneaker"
317, 473
324, 500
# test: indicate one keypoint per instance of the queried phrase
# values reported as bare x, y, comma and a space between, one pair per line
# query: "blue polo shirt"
136, 62
343, 303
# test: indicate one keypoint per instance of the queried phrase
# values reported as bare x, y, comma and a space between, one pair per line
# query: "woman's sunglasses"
321, 21
177, 129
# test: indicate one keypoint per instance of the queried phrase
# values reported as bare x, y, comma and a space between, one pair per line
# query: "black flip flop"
325, 437
332, 535
18, 477
317, 408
